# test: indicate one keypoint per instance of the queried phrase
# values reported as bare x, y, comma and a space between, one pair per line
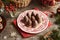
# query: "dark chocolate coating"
32, 18
33, 24
25, 19
58, 11
28, 15
29, 22
37, 18
32, 14
33, 21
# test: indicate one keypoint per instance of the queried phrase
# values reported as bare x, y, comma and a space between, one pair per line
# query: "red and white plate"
41, 27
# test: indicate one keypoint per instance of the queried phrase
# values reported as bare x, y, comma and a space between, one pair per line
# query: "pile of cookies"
21, 3
31, 20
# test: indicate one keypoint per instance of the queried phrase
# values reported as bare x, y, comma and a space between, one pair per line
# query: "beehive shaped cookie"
31, 20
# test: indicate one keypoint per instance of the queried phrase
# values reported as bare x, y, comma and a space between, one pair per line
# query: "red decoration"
48, 2
12, 8
23, 34
7, 8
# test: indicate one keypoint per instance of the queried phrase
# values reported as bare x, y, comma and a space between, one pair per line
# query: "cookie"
0, 19
1, 26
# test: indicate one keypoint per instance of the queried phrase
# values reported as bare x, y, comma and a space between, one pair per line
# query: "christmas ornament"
47, 2
10, 9
7, 8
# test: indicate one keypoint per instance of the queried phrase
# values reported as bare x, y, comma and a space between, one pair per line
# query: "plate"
3, 23
40, 27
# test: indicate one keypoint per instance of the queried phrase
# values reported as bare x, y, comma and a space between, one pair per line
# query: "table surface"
10, 29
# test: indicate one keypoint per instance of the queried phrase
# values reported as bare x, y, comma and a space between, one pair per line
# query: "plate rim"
33, 32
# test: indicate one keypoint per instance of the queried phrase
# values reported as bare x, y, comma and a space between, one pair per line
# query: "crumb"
5, 37
13, 34
17, 38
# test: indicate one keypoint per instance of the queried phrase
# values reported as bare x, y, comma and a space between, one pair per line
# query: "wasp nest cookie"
31, 20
